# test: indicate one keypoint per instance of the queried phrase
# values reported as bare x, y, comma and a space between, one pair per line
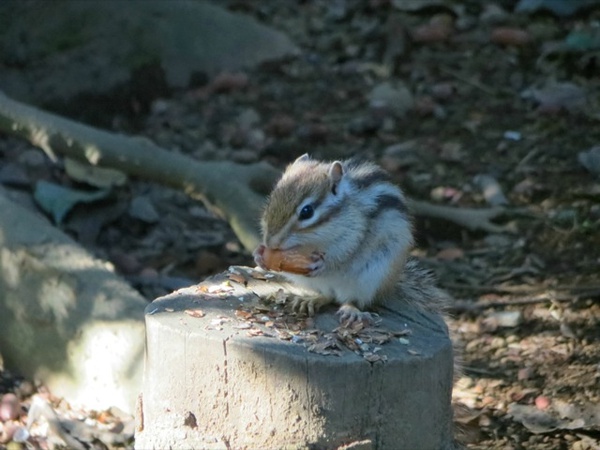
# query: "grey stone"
57, 51
395, 98
67, 320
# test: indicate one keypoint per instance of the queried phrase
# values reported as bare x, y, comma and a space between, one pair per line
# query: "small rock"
32, 158
556, 96
142, 208
439, 29
248, 119
542, 402
313, 132
281, 125
491, 189
493, 14
524, 374
159, 107
512, 135
445, 193
564, 217
402, 154
10, 407
337, 11
256, 139
442, 91
12, 174
396, 99
426, 106
7, 432
227, 82
567, 331
364, 125
497, 241
430, 34
452, 151
515, 37
450, 254
506, 319
591, 160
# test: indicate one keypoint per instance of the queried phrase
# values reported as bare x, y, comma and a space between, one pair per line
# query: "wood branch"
470, 218
476, 306
236, 191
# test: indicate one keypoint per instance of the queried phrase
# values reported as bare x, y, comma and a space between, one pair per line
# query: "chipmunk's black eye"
306, 213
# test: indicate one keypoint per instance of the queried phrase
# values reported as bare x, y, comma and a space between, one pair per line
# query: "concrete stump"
229, 367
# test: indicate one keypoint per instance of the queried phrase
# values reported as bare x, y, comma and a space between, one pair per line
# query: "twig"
465, 306
469, 81
519, 289
471, 218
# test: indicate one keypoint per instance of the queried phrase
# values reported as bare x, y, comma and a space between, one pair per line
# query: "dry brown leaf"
195, 313
255, 332
326, 347
257, 275
238, 278
374, 357
241, 314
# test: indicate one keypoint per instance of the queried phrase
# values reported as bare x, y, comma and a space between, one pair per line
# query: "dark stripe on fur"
363, 181
388, 201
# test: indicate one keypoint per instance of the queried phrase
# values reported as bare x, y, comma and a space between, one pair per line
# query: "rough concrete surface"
211, 382
65, 318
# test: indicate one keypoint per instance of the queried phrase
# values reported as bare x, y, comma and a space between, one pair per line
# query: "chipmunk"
355, 224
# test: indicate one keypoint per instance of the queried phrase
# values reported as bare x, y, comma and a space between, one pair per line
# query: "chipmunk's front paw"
259, 257
309, 305
350, 314
317, 264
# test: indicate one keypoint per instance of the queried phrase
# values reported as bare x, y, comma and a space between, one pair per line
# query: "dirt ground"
454, 101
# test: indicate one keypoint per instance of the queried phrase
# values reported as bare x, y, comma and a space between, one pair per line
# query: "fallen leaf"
590, 159
237, 277
258, 275
255, 332
241, 314
450, 254
195, 313
58, 200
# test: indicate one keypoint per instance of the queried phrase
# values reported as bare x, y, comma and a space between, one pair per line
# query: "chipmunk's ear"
302, 158
336, 171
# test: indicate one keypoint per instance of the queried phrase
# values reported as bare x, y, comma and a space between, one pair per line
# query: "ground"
450, 100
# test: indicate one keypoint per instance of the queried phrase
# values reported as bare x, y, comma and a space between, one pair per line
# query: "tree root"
235, 191
470, 218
